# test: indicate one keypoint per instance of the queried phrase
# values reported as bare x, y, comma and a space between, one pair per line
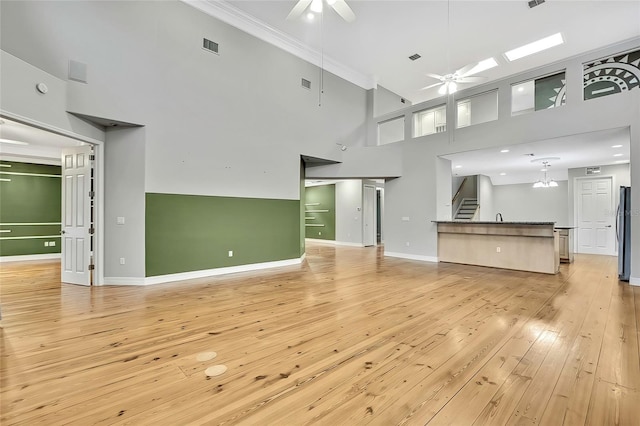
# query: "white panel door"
369, 216
76, 215
596, 232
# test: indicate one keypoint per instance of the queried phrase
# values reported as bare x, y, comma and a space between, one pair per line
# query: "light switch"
120, 220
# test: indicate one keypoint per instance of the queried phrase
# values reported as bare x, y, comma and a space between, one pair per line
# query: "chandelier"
545, 183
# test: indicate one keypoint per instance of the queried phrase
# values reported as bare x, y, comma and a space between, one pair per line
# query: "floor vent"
306, 84
415, 56
209, 45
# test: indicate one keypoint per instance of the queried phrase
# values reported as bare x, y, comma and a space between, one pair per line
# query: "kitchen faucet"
499, 215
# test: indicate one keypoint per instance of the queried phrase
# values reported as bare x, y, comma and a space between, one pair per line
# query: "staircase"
467, 209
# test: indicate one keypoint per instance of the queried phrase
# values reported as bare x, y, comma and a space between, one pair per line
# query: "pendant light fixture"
545, 183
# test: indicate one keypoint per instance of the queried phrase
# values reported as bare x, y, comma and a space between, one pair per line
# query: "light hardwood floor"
348, 337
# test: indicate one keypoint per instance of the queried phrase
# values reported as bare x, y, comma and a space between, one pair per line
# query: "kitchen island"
523, 246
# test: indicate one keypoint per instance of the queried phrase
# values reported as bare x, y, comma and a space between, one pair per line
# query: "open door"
77, 227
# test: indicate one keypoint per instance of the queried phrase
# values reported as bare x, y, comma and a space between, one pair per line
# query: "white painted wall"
19, 97
522, 202
387, 101
124, 196
215, 124
485, 199
349, 212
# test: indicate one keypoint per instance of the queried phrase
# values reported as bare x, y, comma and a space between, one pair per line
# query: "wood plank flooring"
347, 338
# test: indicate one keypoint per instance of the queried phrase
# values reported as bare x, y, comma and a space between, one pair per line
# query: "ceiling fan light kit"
317, 6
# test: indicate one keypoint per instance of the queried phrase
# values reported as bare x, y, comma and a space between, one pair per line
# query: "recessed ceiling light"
482, 66
458, 167
310, 16
503, 174
616, 146
535, 47
12, 142
504, 150
618, 155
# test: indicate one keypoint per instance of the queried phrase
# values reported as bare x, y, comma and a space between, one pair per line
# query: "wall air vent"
534, 3
592, 171
209, 45
416, 56
306, 84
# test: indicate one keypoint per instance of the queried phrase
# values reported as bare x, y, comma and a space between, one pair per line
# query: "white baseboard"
344, 243
47, 256
333, 242
160, 279
123, 281
634, 281
411, 256
319, 241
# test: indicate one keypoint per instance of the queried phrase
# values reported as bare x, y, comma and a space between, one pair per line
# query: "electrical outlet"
120, 220
230, 253
122, 260
497, 249
46, 243
319, 233
52, 243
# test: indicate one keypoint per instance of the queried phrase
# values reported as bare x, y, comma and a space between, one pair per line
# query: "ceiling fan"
449, 82
340, 6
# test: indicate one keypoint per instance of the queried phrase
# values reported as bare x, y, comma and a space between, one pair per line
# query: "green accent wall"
186, 233
320, 224
29, 198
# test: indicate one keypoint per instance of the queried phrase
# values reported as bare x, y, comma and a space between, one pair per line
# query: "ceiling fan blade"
342, 8
471, 79
436, 76
462, 71
298, 9
430, 86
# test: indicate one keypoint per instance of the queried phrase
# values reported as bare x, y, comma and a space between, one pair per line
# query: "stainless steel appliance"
623, 233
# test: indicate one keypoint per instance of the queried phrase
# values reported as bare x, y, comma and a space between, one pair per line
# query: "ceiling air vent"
209, 45
534, 3
416, 56
306, 84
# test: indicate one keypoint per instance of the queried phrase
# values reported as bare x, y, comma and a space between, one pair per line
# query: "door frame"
98, 146
612, 208
373, 215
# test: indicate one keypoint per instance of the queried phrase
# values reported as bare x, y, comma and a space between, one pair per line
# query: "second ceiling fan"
449, 82
340, 6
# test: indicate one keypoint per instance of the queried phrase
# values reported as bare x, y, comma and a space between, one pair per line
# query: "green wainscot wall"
30, 208
320, 212
190, 233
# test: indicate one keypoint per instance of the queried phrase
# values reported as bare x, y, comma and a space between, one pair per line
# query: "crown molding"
241, 20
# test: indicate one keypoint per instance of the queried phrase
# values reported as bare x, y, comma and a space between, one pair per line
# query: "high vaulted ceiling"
374, 49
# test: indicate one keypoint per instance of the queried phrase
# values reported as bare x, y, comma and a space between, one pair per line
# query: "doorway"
595, 215
369, 227
81, 207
